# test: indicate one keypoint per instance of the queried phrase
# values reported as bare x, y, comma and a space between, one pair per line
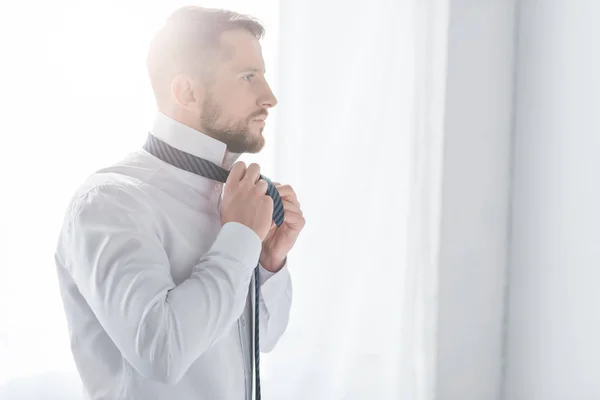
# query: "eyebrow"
252, 69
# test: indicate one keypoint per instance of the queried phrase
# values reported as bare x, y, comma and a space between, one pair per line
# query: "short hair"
189, 41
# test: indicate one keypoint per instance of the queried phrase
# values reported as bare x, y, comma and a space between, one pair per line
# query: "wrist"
272, 264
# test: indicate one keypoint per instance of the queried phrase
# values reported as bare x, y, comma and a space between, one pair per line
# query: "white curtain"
357, 132
419, 344
359, 135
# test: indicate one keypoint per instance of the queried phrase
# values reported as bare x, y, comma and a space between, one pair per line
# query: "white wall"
475, 199
554, 310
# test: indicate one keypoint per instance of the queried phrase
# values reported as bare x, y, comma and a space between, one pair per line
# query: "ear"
185, 92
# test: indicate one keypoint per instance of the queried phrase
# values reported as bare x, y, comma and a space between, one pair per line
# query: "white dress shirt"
155, 290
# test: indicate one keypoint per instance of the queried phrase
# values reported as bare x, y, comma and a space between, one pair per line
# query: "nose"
268, 100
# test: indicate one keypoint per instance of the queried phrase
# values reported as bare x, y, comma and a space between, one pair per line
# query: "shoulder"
107, 195
102, 208
123, 183
108, 202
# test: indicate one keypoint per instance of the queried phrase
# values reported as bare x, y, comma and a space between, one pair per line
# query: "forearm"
205, 306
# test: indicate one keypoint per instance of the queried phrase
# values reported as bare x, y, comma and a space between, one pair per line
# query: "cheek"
240, 107
236, 101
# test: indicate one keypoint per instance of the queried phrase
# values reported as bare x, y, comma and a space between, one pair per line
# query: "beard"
234, 133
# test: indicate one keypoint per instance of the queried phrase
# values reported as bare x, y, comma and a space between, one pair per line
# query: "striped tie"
207, 169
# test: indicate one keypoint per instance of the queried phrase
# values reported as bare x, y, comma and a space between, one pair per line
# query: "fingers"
252, 173
261, 186
293, 215
287, 192
292, 208
237, 173
250, 176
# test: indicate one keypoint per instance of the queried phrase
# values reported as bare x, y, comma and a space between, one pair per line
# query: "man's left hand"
279, 241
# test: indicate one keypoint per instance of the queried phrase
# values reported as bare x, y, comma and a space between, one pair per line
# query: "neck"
226, 158
188, 119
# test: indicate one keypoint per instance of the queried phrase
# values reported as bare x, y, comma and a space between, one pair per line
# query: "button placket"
218, 193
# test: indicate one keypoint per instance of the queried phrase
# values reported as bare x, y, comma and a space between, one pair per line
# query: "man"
155, 266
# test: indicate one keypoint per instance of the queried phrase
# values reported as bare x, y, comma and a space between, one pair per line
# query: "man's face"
237, 97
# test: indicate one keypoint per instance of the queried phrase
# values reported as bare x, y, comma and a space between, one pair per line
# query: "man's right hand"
245, 199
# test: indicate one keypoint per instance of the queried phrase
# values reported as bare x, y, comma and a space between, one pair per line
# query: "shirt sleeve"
275, 305
119, 265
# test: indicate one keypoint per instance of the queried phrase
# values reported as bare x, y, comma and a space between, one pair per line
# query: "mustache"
260, 113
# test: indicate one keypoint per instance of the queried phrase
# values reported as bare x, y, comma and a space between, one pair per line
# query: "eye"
248, 77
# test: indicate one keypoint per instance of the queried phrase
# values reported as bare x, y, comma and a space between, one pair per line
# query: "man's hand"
245, 200
279, 241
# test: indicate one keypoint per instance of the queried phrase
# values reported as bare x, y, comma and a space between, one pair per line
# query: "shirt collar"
194, 142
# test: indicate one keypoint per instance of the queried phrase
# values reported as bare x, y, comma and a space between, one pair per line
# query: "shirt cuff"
240, 243
273, 283
264, 274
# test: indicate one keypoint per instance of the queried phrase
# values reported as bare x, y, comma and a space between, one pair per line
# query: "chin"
258, 143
